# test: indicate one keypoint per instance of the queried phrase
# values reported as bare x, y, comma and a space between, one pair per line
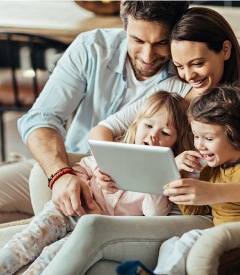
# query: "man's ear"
227, 49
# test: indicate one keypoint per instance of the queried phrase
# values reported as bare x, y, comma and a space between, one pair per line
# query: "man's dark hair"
163, 12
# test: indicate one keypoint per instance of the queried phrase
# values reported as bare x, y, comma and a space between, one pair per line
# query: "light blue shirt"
91, 75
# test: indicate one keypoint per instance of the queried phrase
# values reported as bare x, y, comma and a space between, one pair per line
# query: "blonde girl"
161, 121
170, 131
175, 107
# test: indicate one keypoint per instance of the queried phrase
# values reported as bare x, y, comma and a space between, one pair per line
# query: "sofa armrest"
229, 262
215, 251
38, 183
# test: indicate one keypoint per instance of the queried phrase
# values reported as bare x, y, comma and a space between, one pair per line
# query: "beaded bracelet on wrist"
52, 175
58, 174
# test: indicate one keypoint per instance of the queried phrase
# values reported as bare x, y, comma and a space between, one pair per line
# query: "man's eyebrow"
160, 41
135, 37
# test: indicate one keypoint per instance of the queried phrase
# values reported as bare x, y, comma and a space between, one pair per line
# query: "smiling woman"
199, 66
205, 50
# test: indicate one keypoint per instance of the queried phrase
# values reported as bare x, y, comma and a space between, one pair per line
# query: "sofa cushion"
205, 255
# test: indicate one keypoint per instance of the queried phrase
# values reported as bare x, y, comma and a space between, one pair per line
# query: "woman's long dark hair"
208, 26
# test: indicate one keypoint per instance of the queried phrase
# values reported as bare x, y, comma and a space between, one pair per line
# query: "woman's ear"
227, 49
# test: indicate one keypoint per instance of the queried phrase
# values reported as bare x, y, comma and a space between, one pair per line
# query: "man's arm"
47, 147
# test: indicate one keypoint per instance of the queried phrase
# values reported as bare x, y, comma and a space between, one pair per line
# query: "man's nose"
148, 54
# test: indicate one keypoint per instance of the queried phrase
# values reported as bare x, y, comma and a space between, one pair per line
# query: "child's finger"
100, 175
105, 184
187, 167
112, 190
179, 183
192, 164
180, 199
175, 191
195, 154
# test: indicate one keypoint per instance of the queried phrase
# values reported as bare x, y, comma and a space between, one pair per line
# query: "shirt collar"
231, 165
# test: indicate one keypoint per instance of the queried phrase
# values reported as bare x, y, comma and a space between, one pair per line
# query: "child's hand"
188, 160
194, 192
105, 182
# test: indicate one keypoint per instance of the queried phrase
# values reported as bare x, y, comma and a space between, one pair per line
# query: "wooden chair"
24, 70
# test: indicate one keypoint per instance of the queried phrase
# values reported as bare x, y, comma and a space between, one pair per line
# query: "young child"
160, 121
215, 123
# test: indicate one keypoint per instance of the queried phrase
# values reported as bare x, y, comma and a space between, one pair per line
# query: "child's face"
212, 143
155, 131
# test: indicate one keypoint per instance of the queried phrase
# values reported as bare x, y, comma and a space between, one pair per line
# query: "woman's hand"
194, 192
188, 160
105, 182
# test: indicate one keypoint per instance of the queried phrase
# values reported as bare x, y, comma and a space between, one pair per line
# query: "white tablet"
139, 168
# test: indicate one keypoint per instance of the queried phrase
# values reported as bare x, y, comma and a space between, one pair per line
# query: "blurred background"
33, 36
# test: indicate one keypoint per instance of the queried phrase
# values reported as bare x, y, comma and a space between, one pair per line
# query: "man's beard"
150, 72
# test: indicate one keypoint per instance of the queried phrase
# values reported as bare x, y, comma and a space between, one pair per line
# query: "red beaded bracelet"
59, 170
59, 174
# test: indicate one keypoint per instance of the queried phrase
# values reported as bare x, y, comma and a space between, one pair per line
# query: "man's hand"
105, 183
52, 156
66, 194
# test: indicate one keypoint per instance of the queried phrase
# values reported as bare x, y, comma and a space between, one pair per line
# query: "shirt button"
114, 200
118, 96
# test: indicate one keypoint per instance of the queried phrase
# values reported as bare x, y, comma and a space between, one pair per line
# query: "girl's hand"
105, 182
193, 192
188, 160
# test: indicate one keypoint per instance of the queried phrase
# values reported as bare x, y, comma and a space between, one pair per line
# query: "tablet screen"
139, 168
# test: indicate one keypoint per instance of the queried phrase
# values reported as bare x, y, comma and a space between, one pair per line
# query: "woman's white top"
120, 121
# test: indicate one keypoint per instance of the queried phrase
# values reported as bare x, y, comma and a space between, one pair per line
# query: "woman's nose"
189, 74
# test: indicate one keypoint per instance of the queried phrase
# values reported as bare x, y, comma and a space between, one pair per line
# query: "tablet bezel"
138, 168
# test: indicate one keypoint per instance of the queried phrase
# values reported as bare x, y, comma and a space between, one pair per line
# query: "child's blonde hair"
176, 108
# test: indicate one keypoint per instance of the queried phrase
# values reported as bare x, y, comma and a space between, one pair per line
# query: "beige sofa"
216, 252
